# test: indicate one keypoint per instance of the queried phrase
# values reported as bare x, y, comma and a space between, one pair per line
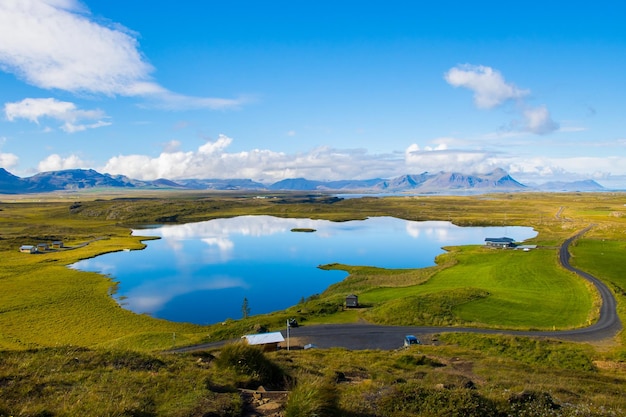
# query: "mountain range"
441, 182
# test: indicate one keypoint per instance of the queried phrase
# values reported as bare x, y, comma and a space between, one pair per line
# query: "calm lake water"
201, 272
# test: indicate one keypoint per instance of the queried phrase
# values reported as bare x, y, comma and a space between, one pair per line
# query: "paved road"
357, 336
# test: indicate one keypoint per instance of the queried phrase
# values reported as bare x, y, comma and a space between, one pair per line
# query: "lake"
201, 272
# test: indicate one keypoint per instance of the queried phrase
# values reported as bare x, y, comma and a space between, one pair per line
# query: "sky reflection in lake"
201, 272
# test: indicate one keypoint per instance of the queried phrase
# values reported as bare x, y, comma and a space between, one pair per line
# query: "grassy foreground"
69, 349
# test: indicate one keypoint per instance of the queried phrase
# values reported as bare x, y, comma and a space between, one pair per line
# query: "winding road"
357, 336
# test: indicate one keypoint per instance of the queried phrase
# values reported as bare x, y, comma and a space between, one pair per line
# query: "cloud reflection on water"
200, 272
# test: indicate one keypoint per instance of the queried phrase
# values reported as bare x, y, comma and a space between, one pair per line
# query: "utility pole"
288, 326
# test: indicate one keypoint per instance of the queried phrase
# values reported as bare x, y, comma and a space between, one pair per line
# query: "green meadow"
491, 288
67, 348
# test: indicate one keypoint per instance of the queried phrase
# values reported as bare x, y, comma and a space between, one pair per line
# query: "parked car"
409, 340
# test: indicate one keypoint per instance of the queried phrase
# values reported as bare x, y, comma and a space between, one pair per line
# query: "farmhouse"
57, 244
269, 341
41, 247
500, 242
28, 249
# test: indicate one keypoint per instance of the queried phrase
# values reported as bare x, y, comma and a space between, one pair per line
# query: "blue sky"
322, 90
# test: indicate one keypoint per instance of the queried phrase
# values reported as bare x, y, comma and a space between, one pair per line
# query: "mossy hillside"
70, 381
461, 373
469, 375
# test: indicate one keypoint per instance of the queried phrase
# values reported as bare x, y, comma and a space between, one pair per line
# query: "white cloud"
608, 171
72, 128
523, 168
211, 160
55, 162
33, 109
537, 120
490, 89
442, 159
171, 146
56, 44
171, 101
8, 160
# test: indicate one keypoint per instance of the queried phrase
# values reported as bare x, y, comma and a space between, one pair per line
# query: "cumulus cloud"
440, 158
8, 160
491, 90
323, 163
537, 120
488, 85
212, 160
56, 162
56, 44
33, 109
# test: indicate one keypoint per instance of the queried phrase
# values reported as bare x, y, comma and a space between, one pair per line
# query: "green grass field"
67, 348
513, 289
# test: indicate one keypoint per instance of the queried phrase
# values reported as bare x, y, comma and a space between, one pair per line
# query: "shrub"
251, 361
313, 397
533, 404
412, 399
411, 361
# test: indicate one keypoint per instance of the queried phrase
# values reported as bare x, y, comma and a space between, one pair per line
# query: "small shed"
500, 242
352, 301
268, 341
42, 247
28, 249
57, 244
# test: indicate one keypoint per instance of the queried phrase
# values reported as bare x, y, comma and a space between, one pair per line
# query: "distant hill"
220, 184
9, 183
441, 182
498, 180
586, 185
302, 184
75, 179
